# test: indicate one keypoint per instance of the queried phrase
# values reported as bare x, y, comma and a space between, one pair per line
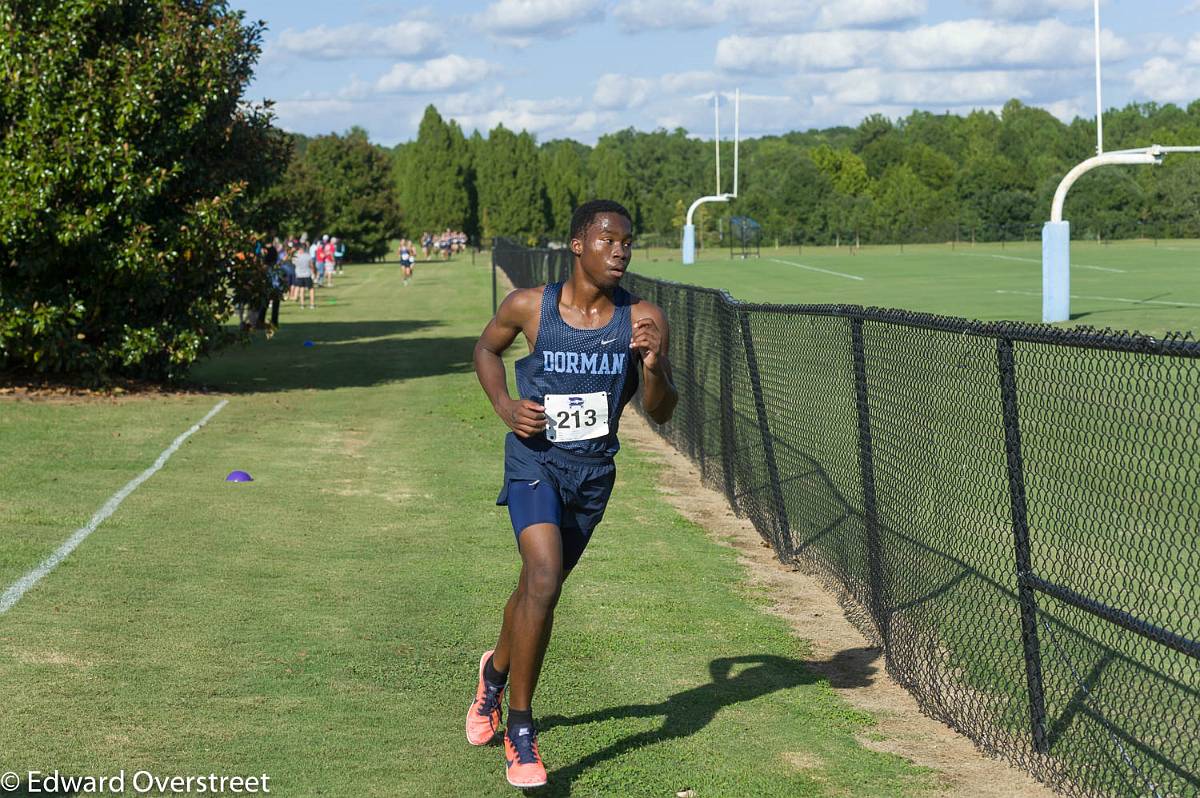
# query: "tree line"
135, 180
925, 177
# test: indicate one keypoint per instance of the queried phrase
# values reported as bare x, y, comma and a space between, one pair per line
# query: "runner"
585, 336
407, 253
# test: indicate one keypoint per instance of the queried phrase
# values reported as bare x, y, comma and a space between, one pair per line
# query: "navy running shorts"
544, 484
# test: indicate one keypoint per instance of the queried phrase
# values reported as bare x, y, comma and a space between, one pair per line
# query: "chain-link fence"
1010, 510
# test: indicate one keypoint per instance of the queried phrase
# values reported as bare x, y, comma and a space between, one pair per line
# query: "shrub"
131, 176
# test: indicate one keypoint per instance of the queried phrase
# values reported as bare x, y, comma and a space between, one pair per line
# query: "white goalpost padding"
689, 229
1056, 233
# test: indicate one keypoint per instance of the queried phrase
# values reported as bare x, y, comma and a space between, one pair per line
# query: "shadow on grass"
1135, 309
689, 711
342, 354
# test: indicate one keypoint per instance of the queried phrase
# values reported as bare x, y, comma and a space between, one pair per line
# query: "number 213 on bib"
576, 417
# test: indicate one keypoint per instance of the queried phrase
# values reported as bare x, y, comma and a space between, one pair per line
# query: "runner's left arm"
651, 340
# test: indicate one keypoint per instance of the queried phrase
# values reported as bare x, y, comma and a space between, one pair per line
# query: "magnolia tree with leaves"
132, 183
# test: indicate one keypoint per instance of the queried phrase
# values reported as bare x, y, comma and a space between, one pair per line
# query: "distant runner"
408, 254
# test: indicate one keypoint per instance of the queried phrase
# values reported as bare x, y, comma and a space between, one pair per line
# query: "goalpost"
689, 229
1056, 233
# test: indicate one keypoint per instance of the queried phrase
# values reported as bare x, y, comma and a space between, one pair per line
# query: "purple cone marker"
239, 476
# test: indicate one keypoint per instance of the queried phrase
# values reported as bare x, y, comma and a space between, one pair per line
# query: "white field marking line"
22, 585
815, 269
1035, 260
1112, 299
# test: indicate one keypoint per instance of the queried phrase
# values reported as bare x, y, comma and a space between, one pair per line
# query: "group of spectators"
296, 268
306, 266
299, 267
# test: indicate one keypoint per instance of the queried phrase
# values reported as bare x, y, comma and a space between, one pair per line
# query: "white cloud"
307, 114
625, 92
1030, 9
410, 39
684, 82
521, 21
977, 43
876, 86
958, 45
869, 13
1068, 109
448, 73
1193, 49
764, 15
1166, 81
797, 51
545, 118
622, 92
635, 16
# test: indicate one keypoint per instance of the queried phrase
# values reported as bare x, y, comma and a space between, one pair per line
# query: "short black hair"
586, 213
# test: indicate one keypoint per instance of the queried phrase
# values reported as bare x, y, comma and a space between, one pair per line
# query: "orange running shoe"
524, 763
483, 718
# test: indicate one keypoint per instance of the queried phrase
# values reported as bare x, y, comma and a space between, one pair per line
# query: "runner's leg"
529, 615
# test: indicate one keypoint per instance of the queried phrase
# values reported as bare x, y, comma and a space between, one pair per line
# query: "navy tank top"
567, 360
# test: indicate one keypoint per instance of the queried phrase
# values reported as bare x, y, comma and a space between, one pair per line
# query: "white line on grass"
815, 269
1035, 260
1111, 299
22, 585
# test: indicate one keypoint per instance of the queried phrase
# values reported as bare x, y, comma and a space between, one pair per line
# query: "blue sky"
581, 68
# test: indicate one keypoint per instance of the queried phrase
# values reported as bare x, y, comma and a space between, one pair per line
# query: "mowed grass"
323, 624
1105, 444
1125, 285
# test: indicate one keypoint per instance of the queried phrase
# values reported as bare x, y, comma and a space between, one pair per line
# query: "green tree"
435, 192
297, 199
132, 176
356, 193
845, 171
511, 196
566, 181
902, 204
611, 178
784, 191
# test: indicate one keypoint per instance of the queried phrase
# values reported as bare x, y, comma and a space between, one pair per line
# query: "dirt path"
841, 654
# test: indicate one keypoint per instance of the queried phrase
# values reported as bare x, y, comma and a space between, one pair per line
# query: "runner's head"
602, 240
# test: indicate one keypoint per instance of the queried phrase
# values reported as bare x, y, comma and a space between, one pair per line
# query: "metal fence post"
1020, 522
728, 446
784, 538
689, 368
494, 305
866, 460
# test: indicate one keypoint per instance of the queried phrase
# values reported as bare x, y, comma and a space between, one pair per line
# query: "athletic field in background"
323, 624
1125, 285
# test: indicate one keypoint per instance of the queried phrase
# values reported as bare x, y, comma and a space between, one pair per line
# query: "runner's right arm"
517, 313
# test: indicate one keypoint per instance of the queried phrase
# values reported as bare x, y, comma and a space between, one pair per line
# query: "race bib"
576, 417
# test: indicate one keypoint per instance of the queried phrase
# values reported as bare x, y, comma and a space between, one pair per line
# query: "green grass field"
323, 624
1105, 444
1125, 285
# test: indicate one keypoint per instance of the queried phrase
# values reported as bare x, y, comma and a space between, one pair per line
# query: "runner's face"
606, 249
